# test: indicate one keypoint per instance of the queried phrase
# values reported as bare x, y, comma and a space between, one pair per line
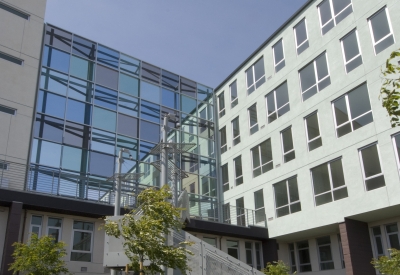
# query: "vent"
14, 11
3, 166
10, 58
7, 110
83, 269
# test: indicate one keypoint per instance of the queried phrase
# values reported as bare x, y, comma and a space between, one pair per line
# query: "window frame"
35, 225
396, 153
282, 147
295, 36
292, 257
91, 241
251, 253
221, 112
374, 243
224, 147
389, 234
255, 81
343, 51
54, 227
260, 208
258, 146
235, 101
255, 126
362, 166
319, 253
222, 177
238, 178
371, 30
333, 16
288, 197
276, 70
237, 248
306, 127
276, 111
298, 256
235, 139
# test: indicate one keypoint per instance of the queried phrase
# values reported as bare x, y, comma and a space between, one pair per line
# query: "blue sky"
204, 40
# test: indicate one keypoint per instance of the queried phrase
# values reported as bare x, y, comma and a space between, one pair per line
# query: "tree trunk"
141, 271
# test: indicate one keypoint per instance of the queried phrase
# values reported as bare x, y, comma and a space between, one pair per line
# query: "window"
304, 256
328, 182
341, 250
255, 76
371, 167
377, 239
14, 11
82, 241
301, 37
233, 248
287, 145
287, 199
325, 253
240, 212
237, 162
225, 177
279, 55
7, 110
235, 131
221, 104
54, 228
381, 30
4, 166
262, 158
332, 12
210, 241
222, 134
277, 102
234, 96
253, 123
11, 58
292, 256
259, 206
249, 253
396, 144
36, 225
314, 139
258, 255
314, 77
392, 233
351, 51
226, 213
352, 111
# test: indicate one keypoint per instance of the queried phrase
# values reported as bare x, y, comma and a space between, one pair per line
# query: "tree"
144, 237
277, 268
390, 90
40, 256
388, 265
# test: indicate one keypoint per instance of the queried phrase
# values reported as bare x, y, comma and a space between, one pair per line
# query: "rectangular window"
262, 158
225, 177
233, 248
11, 58
82, 241
259, 206
287, 145
351, 51
249, 253
314, 139
328, 182
287, 199
352, 111
221, 105
222, 135
304, 256
381, 30
14, 11
240, 212
392, 233
377, 239
292, 256
235, 131
226, 213
341, 250
7, 110
396, 144
301, 36
36, 225
258, 256
234, 96
255, 76
54, 228
314, 77
325, 253
279, 55
237, 162
4, 166
371, 167
210, 241
277, 102
332, 12
253, 122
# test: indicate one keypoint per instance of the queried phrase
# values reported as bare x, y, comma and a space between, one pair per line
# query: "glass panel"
103, 141
55, 59
307, 77
310, 93
312, 126
281, 196
78, 111
374, 183
359, 101
256, 156
105, 98
188, 105
128, 85
287, 140
282, 96
82, 241
48, 128
107, 56
350, 46
149, 131
315, 144
340, 194
106, 77
301, 32
37, 220
83, 225
303, 47
101, 164
320, 177
259, 69
354, 64
296, 207
77, 135
266, 151
258, 199
150, 111
278, 52
293, 191
128, 143
84, 48
341, 114
343, 130
58, 38
282, 211
128, 126
325, 12
129, 64
104, 119
370, 160
145, 148
207, 167
46, 153
128, 105
79, 89
51, 104
170, 80
170, 99
322, 199
151, 72
322, 67
54, 222
82, 68
337, 173
203, 92
380, 25
253, 115
53, 81
339, 5
150, 92
394, 241
271, 104
188, 87
74, 159
384, 44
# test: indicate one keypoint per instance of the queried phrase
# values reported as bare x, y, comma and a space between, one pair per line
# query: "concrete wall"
359, 200
3, 227
22, 39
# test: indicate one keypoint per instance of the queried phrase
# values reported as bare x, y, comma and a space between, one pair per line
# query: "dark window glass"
301, 35
48, 128
279, 57
304, 256
170, 99
372, 169
78, 111
107, 77
55, 59
105, 98
287, 143
128, 126
313, 135
233, 248
150, 111
151, 72
101, 164
82, 68
188, 87
53, 81
150, 92
225, 177
128, 105
104, 119
103, 141
107, 56
170, 80
128, 85
149, 131
79, 89
77, 135
236, 131
84, 48
58, 38
51, 104
253, 119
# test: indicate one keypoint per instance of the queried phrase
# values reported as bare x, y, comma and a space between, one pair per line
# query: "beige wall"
3, 227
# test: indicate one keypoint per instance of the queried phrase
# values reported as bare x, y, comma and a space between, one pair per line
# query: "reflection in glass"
188, 105
150, 92
128, 105
128, 125
103, 141
129, 64
107, 56
48, 128
79, 89
84, 48
104, 119
150, 111
101, 164
106, 77
188, 87
74, 159
128, 85
203, 92
105, 98
58, 38
170, 80
189, 124
145, 148
51, 104
77, 135
151, 72
78, 111
82, 68
53, 81
170, 99
128, 143
55, 59
149, 131
46, 153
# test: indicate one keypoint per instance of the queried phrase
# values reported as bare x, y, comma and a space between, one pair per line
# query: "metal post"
117, 207
164, 153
